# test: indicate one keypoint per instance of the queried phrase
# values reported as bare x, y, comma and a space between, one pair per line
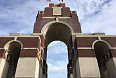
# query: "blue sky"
95, 16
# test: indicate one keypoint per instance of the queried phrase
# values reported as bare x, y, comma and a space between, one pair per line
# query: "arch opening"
13, 49
103, 54
57, 32
57, 59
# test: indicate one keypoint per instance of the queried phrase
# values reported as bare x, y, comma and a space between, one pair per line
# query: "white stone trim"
91, 48
90, 35
77, 34
84, 47
23, 35
15, 34
113, 48
99, 37
37, 34
30, 48
42, 49
1, 48
38, 50
55, 17
48, 17
15, 38
40, 40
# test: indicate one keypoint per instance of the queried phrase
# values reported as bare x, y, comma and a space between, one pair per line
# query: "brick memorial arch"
89, 55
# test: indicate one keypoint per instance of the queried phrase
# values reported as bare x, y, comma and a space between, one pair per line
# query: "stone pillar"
110, 64
44, 69
27, 67
74, 65
70, 69
86, 65
8, 66
4, 65
111, 67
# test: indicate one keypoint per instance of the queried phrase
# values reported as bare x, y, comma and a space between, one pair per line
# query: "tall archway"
57, 31
13, 49
104, 58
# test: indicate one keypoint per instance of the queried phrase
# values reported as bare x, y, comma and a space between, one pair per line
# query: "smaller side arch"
101, 41
12, 54
105, 59
8, 43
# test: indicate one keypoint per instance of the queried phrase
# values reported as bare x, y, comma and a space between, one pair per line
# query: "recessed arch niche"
104, 58
13, 49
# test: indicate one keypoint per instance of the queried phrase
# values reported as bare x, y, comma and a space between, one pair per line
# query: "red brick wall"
1, 52
85, 41
66, 12
28, 53
86, 53
4, 40
58, 5
73, 22
29, 42
110, 40
48, 12
40, 23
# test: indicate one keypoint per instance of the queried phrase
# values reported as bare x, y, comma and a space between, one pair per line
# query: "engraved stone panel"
57, 10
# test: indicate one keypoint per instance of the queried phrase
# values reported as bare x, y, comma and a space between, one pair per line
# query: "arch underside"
58, 31
101, 48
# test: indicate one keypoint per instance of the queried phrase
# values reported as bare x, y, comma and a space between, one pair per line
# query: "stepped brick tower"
89, 55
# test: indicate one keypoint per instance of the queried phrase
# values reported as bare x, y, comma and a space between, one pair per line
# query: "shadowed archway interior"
58, 32
103, 54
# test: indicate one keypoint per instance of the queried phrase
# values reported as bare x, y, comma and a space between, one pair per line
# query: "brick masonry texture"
59, 5
1, 52
4, 40
73, 21
86, 53
28, 53
85, 41
29, 42
39, 25
110, 40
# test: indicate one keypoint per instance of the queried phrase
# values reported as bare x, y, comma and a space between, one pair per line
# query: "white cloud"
57, 59
57, 47
58, 66
105, 21
57, 69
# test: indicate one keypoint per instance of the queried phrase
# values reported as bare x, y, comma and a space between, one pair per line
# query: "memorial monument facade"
89, 55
